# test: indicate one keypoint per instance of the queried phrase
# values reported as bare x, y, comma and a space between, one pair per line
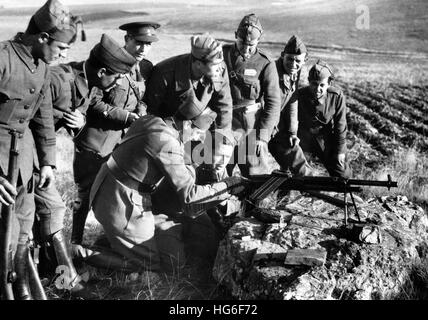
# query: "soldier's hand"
7, 192
341, 159
236, 185
132, 117
79, 252
293, 140
74, 119
260, 146
47, 177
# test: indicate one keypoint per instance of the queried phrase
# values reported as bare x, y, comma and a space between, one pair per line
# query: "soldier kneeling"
321, 127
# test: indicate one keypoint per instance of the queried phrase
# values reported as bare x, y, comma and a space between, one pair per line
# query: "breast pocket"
8, 106
251, 88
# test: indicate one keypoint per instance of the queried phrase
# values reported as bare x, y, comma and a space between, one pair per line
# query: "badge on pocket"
250, 72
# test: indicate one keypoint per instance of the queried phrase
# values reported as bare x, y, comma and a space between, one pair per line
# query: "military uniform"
69, 91
171, 84
25, 97
322, 131
106, 120
150, 159
256, 105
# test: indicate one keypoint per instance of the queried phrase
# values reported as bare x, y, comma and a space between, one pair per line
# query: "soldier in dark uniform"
322, 127
25, 105
256, 97
289, 66
150, 160
201, 76
109, 116
72, 87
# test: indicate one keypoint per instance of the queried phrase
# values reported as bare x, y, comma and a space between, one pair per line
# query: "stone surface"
306, 257
247, 260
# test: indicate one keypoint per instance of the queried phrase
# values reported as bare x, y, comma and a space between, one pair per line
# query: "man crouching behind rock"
150, 160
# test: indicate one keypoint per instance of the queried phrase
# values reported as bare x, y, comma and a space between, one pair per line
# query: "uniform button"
21, 120
32, 90
26, 107
32, 71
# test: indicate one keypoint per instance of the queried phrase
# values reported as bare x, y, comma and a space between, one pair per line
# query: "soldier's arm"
170, 160
340, 125
156, 91
100, 110
289, 116
222, 104
272, 102
43, 129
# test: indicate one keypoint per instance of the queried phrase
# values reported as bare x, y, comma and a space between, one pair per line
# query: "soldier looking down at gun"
202, 77
150, 161
321, 127
25, 105
110, 114
256, 97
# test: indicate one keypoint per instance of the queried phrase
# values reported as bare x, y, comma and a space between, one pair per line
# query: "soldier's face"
108, 80
138, 49
52, 50
293, 63
211, 70
247, 50
319, 88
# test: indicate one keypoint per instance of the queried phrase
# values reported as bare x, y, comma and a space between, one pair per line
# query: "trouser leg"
86, 166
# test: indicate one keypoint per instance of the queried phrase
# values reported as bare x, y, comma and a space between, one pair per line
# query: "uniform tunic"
69, 90
322, 131
169, 86
256, 102
106, 124
25, 98
150, 154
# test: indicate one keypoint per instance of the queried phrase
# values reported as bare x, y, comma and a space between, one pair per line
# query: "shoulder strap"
133, 86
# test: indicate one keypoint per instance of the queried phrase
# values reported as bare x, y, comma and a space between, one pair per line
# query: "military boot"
21, 286
64, 259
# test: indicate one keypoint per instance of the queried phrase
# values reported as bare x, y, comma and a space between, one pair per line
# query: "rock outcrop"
309, 254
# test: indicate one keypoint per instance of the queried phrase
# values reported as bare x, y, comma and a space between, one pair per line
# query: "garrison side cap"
250, 29
112, 56
206, 48
55, 19
320, 71
295, 45
142, 31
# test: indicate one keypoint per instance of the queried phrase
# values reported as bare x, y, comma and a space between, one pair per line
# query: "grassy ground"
386, 94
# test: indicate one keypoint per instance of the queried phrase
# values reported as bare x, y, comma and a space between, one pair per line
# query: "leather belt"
128, 181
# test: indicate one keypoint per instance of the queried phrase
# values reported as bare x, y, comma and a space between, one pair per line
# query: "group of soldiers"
137, 128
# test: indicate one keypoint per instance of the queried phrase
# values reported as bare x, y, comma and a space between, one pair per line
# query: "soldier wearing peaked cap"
322, 127
25, 98
256, 97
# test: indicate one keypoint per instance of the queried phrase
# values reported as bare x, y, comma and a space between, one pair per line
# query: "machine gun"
279, 180
8, 275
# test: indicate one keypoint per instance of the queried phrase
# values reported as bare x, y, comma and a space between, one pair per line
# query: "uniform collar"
24, 53
287, 81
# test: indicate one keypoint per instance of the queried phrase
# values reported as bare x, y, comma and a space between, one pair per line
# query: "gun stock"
7, 273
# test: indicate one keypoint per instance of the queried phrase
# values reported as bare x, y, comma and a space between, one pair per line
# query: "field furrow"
382, 107
388, 128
